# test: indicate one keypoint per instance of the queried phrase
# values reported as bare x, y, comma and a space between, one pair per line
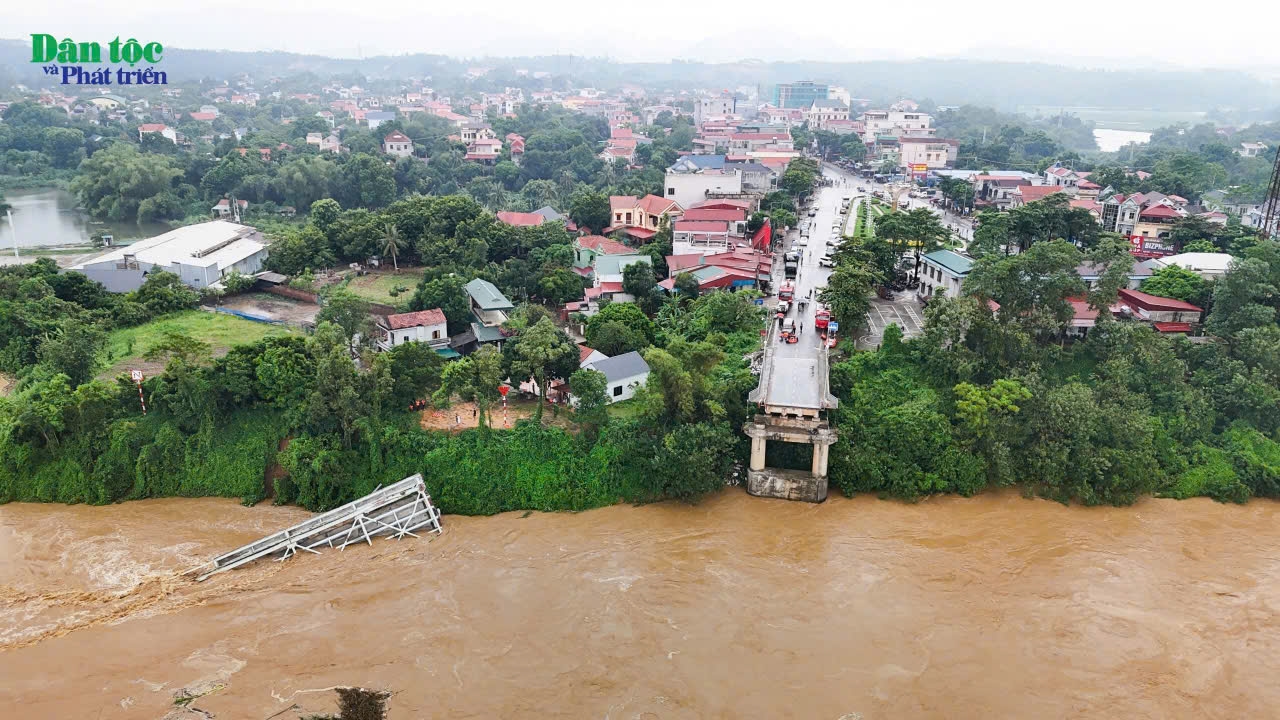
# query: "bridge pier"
765, 481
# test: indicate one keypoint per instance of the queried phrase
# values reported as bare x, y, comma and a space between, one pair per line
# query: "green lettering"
67, 52
43, 48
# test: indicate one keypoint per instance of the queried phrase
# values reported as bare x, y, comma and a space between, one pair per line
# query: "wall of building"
689, 188
625, 389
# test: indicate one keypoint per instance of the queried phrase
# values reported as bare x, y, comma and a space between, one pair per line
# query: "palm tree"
392, 244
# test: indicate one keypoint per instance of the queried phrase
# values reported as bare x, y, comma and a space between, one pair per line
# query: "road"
960, 225
794, 380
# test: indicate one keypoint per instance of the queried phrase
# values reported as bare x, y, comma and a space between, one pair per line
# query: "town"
671, 333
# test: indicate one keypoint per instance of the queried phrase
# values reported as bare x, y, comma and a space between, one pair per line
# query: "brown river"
993, 607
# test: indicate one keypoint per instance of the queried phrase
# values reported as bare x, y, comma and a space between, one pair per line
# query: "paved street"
905, 312
794, 368
962, 226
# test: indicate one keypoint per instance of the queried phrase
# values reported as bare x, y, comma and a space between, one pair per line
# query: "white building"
624, 373
199, 254
688, 186
944, 271
822, 112
1207, 265
397, 144
426, 326
898, 123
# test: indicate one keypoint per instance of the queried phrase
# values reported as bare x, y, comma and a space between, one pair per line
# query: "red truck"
787, 291
821, 319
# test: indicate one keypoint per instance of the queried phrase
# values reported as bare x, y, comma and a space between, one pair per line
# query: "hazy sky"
1176, 32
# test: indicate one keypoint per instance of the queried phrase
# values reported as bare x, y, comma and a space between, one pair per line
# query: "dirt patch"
274, 307
6, 384
463, 416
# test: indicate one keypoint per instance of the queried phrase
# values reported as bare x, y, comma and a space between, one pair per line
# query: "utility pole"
13, 231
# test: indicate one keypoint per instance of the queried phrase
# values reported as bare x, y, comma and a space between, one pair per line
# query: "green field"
377, 286
1120, 118
126, 347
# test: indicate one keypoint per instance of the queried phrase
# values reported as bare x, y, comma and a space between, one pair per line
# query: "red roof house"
520, 219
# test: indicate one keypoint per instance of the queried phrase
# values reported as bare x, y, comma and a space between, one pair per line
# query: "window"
617, 391
671, 191
435, 334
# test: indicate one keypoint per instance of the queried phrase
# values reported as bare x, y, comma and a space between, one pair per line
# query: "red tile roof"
1032, 193
1159, 211
622, 202
434, 316
655, 205
1172, 327
638, 233
397, 137
151, 127
204, 116
603, 245
602, 288
520, 219
1155, 302
584, 352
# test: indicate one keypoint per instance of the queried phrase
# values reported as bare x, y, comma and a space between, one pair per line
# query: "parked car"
827, 262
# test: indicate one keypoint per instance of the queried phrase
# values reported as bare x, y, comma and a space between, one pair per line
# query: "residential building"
623, 374
824, 111
472, 131
1167, 314
920, 155
376, 118
223, 209
943, 271
397, 144
1207, 265
714, 107
160, 129
996, 190
484, 150
589, 247
1091, 273
1026, 194
639, 218
1058, 176
426, 326
896, 123
734, 269
799, 95
520, 219
201, 255
489, 309
686, 183
588, 356
1251, 149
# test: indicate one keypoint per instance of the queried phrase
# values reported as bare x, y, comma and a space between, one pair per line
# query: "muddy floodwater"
992, 607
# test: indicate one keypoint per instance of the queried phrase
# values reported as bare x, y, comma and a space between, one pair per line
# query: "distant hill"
1003, 85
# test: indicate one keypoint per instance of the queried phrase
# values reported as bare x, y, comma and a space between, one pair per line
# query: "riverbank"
995, 606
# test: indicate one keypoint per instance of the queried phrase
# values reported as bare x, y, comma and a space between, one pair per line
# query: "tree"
64, 146
590, 210
416, 369
337, 401
1031, 287
541, 352
602, 329
687, 285
848, 293
991, 234
114, 182
1241, 297
304, 180
1177, 282
365, 181
590, 390
73, 351
448, 293
638, 282
475, 377
350, 313
164, 292
392, 244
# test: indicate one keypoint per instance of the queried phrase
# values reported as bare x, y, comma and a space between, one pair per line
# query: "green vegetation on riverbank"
218, 330
296, 417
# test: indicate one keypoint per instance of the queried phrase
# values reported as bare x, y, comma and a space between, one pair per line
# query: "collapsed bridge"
396, 511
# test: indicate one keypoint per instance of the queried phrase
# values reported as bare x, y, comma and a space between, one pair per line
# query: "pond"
48, 217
